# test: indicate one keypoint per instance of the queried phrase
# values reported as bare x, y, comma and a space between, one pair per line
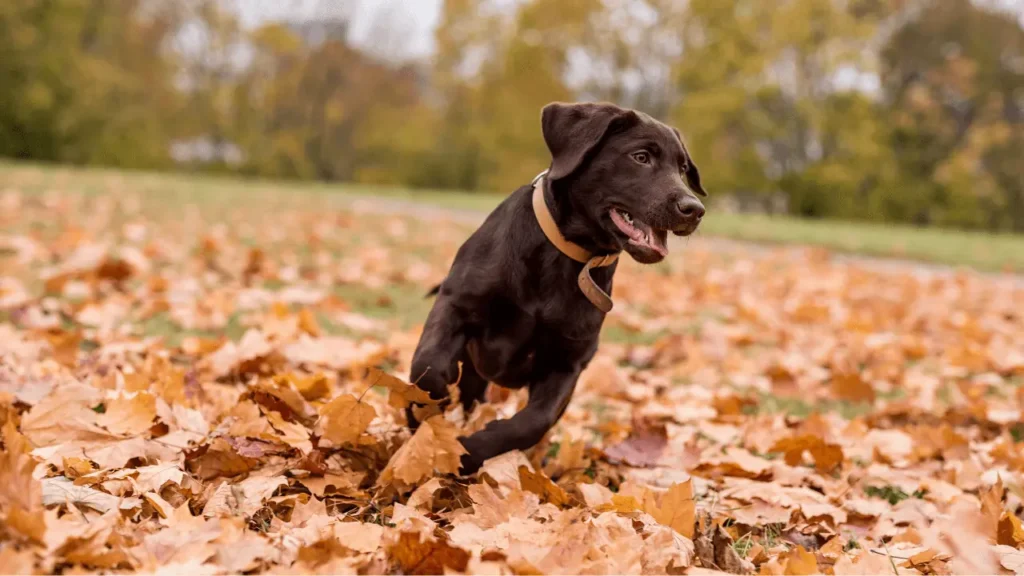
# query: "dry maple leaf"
542, 486
344, 419
343, 483
66, 415
677, 509
292, 434
129, 416
60, 490
423, 496
852, 387
400, 393
433, 448
218, 458
153, 478
243, 498
643, 447
799, 562
427, 556
20, 492
1010, 532
826, 456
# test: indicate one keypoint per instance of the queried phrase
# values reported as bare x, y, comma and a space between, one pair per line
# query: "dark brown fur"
510, 309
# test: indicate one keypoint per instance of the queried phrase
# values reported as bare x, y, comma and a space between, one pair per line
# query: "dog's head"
630, 177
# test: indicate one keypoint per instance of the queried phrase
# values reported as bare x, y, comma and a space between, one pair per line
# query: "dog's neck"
562, 198
543, 197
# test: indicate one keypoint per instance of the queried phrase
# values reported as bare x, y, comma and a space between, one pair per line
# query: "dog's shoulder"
495, 257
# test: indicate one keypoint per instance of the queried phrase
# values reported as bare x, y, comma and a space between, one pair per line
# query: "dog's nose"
690, 207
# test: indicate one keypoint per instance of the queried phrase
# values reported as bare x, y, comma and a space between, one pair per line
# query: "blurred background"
908, 111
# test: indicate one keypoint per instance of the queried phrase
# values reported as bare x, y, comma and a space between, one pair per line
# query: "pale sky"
410, 23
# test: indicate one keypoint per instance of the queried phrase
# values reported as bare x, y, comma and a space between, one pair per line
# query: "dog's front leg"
435, 364
548, 400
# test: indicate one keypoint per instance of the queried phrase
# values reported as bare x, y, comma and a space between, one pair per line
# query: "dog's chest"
514, 349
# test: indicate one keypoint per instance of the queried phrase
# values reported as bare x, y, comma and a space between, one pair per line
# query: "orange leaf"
799, 562
433, 448
344, 419
542, 486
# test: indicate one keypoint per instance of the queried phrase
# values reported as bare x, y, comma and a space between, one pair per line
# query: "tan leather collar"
591, 290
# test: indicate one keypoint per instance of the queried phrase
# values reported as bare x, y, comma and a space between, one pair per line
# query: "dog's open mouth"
639, 233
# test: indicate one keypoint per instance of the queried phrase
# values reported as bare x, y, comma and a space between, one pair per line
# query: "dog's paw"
470, 462
410, 418
468, 465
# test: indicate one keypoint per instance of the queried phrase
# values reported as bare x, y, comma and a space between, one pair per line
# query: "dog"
527, 293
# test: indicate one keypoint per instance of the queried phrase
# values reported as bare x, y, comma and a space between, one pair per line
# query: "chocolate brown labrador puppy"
519, 306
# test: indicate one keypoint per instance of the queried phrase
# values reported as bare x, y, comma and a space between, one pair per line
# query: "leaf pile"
220, 388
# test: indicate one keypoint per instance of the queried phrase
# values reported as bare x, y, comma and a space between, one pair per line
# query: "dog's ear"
571, 131
691, 173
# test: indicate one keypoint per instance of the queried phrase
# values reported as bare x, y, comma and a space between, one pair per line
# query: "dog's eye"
643, 157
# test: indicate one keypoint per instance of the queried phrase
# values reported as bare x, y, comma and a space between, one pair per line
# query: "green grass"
983, 251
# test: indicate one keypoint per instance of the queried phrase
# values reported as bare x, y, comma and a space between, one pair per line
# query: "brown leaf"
992, 505
864, 564
344, 419
291, 433
218, 458
429, 556
424, 495
677, 509
66, 415
359, 536
542, 486
153, 478
1010, 532
129, 416
850, 386
243, 498
799, 562
433, 448
344, 483
312, 387
60, 490
20, 492
826, 456
400, 393
643, 447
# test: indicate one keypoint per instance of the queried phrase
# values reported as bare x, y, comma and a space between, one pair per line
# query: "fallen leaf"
401, 394
433, 448
129, 416
421, 497
1010, 532
344, 419
60, 490
799, 562
643, 448
677, 509
243, 498
416, 556
542, 486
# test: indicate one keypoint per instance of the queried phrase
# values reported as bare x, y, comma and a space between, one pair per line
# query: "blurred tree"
953, 80
86, 81
768, 90
896, 110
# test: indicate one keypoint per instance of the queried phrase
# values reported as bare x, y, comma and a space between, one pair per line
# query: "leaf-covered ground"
218, 387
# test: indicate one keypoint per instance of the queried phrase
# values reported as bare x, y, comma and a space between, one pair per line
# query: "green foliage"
80, 81
876, 110
893, 494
